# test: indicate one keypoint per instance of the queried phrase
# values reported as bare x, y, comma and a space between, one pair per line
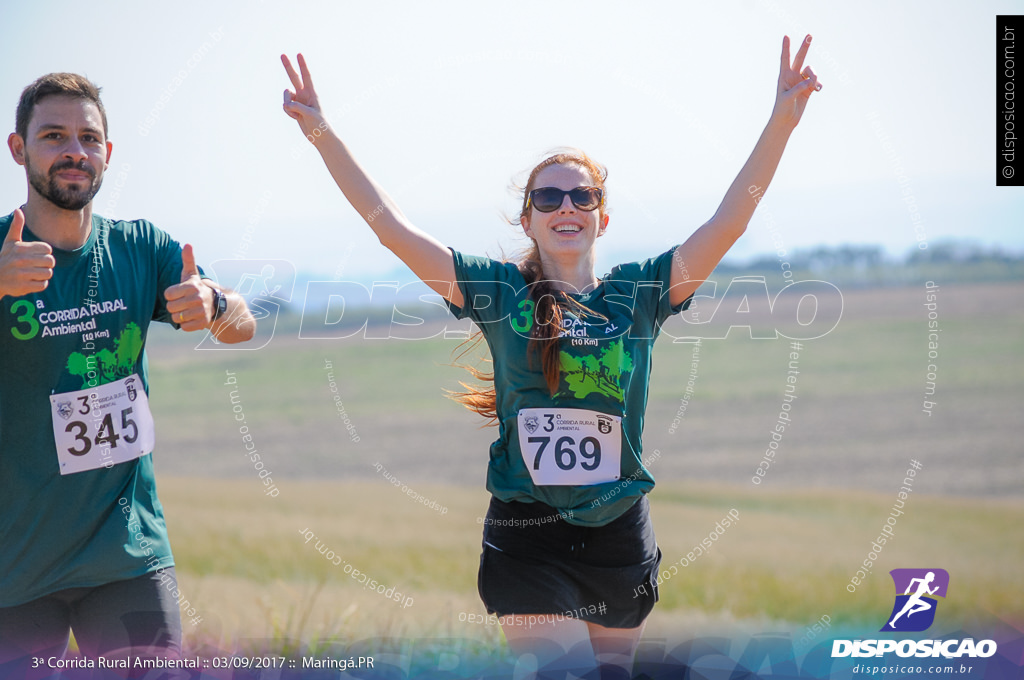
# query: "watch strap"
220, 304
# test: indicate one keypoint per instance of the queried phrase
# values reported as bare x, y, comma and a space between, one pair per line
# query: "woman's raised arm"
427, 257
708, 245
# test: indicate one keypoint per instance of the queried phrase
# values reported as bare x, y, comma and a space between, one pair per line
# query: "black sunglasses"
549, 199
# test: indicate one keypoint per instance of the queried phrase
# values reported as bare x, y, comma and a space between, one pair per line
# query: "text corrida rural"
127, 662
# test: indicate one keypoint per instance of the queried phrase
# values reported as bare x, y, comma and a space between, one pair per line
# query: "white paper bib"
102, 426
570, 446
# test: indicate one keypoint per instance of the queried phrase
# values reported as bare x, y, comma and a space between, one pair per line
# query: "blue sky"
445, 103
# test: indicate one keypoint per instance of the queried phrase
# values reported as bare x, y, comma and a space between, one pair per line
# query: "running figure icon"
915, 603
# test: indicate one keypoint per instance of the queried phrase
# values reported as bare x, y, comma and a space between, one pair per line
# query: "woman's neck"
570, 274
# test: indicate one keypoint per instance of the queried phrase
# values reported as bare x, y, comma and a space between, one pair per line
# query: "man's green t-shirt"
88, 328
605, 352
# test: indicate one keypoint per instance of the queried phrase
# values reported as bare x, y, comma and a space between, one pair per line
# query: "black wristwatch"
220, 304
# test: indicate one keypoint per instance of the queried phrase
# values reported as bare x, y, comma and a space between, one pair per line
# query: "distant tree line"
824, 258
868, 265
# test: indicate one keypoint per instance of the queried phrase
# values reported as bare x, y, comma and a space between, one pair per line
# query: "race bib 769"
570, 446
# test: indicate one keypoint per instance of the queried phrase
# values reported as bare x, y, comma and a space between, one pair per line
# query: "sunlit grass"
243, 562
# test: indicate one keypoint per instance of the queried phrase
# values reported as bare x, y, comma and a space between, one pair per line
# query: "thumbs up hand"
188, 263
191, 301
25, 267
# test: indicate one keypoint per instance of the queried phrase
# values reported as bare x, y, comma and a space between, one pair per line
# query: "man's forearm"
236, 324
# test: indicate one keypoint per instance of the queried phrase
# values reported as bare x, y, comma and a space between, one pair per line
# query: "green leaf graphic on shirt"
128, 347
109, 365
602, 374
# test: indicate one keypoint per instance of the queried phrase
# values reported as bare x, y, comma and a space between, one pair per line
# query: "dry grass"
244, 564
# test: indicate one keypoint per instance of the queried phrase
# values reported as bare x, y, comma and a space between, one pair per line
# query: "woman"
569, 559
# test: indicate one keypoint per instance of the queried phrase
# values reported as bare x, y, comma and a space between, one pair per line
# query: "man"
83, 544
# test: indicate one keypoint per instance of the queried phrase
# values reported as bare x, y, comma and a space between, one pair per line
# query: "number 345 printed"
105, 433
113, 418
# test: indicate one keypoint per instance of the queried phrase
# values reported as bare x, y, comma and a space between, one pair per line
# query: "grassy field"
245, 565
857, 422
803, 532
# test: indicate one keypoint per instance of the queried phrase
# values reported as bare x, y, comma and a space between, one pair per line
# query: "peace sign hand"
302, 104
795, 85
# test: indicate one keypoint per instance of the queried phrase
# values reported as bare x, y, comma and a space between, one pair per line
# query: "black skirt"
535, 562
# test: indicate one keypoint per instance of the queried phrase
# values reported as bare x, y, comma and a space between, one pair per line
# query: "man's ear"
110, 148
17, 146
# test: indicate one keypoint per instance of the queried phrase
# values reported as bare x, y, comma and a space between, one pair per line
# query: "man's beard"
68, 198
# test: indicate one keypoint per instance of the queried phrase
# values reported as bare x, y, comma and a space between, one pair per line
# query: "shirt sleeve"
167, 259
489, 288
652, 279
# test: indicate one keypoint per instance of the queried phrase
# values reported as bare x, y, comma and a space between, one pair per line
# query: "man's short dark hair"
64, 84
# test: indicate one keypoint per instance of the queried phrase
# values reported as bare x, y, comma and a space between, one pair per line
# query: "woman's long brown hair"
548, 301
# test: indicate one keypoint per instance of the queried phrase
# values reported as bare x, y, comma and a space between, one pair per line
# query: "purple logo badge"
916, 590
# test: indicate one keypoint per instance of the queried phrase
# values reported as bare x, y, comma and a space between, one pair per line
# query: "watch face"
221, 303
